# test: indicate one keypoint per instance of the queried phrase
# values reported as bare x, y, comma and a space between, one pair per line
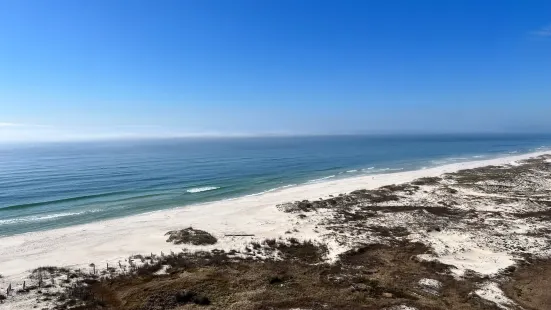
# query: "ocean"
52, 185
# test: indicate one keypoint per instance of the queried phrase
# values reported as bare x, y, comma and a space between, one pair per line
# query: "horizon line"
268, 135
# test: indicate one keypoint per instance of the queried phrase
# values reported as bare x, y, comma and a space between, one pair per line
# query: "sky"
72, 70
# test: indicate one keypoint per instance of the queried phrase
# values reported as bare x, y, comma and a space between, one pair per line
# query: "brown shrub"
190, 236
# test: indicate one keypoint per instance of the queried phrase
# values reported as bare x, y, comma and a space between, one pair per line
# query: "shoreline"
116, 239
111, 205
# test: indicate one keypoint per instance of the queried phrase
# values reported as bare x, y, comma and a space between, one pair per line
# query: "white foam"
401, 307
267, 191
448, 160
201, 189
320, 179
389, 169
40, 218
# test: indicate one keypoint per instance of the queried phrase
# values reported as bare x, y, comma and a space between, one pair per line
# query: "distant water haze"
45, 186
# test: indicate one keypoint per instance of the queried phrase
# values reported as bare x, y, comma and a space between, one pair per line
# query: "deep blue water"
54, 185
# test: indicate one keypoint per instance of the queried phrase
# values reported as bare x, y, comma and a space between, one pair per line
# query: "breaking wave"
201, 189
40, 218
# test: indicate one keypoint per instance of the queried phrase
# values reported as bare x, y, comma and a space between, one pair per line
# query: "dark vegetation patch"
386, 193
385, 231
427, 181
289, 249
190, 236
487, 173
439, 211
372, 277
506, 179
540, 232
528, 285
542, 215
374, 196
305, 251
449, 190
172, 299
49, 271
389, 193
405, 187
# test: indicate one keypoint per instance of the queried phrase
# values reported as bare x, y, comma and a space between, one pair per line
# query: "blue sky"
110, 69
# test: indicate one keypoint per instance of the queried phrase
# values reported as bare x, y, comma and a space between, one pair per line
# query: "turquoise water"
55, 185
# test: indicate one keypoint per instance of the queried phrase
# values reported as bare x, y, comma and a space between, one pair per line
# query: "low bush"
190, 236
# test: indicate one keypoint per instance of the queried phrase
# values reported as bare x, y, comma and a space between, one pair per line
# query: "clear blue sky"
104, 69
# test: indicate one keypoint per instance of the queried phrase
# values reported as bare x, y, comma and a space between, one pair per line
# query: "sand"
114, 240
491, 291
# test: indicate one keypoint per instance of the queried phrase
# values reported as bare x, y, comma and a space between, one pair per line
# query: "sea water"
46, 186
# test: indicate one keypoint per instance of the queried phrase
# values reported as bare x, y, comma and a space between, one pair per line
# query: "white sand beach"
117, 239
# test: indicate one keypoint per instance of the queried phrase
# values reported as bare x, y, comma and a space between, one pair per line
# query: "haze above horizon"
75, 70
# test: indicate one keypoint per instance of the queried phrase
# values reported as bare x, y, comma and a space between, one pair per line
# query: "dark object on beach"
239, 235
190, 236
276, 280
450, 190
2, 297
186, 297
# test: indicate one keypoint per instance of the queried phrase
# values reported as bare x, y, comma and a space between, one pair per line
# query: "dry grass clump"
173, 299
190, 236
51, 271
305, 251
